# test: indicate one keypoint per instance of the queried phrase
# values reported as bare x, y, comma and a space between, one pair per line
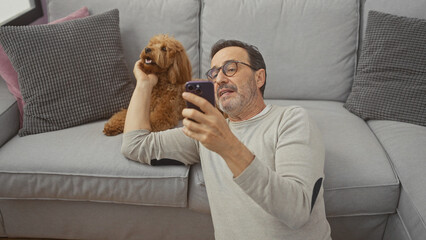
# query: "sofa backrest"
309, 47
142, 19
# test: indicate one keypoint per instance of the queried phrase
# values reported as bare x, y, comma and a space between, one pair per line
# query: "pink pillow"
9, 74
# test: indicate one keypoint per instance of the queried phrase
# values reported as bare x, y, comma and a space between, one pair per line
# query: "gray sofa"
75, 183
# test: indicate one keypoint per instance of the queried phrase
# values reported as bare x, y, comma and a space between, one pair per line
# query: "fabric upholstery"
142, 20
351, 147
9, 74
405, 144
412, 220
395, 229
408, 8
310, 50
103, 221
390, 83
364, 227
408, 210
82, 164
76, 76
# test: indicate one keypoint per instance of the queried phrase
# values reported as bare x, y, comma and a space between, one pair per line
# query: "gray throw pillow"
69, 73
390, 81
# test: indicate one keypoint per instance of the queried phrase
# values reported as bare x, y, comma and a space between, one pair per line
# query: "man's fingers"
137, 66
197, 131
193, 130
137, 70
191, 134
191, 125
192, 114
140, 75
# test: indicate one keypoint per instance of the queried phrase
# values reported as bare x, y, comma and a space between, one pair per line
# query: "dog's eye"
164, 49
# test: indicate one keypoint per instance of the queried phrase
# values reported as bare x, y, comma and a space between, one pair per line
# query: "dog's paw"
110, 130
115, 124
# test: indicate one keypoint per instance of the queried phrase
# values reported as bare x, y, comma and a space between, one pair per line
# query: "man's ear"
260, 77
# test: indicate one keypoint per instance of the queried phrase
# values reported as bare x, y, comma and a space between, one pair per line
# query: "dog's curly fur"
166, 57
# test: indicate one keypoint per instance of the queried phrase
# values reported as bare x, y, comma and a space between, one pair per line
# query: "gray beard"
240, 102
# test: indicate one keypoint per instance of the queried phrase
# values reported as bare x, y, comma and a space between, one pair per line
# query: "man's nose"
221, 78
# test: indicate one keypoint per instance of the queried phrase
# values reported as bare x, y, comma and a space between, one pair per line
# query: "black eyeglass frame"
212, 79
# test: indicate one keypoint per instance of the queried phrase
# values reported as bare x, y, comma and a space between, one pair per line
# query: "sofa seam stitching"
91, 176
361, 214
94, 201
368, 186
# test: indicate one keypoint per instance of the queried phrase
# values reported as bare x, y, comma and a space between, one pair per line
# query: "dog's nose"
147, 50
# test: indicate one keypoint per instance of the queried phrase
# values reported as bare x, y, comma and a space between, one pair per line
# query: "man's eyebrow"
231, 60
227, 61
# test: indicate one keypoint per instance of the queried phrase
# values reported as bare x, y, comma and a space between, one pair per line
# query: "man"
263, 166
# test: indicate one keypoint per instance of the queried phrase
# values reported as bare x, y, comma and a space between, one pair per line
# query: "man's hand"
142, 78
211, 130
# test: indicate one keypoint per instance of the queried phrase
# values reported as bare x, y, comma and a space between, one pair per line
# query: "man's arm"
143, 146
138, 112
139, 143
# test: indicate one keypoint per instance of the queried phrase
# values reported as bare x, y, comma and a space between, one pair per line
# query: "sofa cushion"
390, 82
11, 76
76, 76
82, 164
142, 20
408, 8
405, 144
317, 62
359, 179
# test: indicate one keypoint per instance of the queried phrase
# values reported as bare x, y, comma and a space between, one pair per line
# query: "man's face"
234, 94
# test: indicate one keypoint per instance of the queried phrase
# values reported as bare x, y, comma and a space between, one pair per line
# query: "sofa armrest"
9, 114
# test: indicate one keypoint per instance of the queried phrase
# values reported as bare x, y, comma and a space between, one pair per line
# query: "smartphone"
204, 89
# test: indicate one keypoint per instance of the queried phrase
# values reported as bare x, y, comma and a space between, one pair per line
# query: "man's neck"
249, 112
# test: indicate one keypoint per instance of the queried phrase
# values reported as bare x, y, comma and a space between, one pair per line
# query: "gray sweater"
278, 196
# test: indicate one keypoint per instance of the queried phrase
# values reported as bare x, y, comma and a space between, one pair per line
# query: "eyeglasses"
229, 69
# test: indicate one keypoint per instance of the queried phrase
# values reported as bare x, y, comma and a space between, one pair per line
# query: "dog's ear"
181, 71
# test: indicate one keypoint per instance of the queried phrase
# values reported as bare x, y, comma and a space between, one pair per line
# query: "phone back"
203, 89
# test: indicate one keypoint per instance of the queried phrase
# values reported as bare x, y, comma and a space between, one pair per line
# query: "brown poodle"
166, 57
